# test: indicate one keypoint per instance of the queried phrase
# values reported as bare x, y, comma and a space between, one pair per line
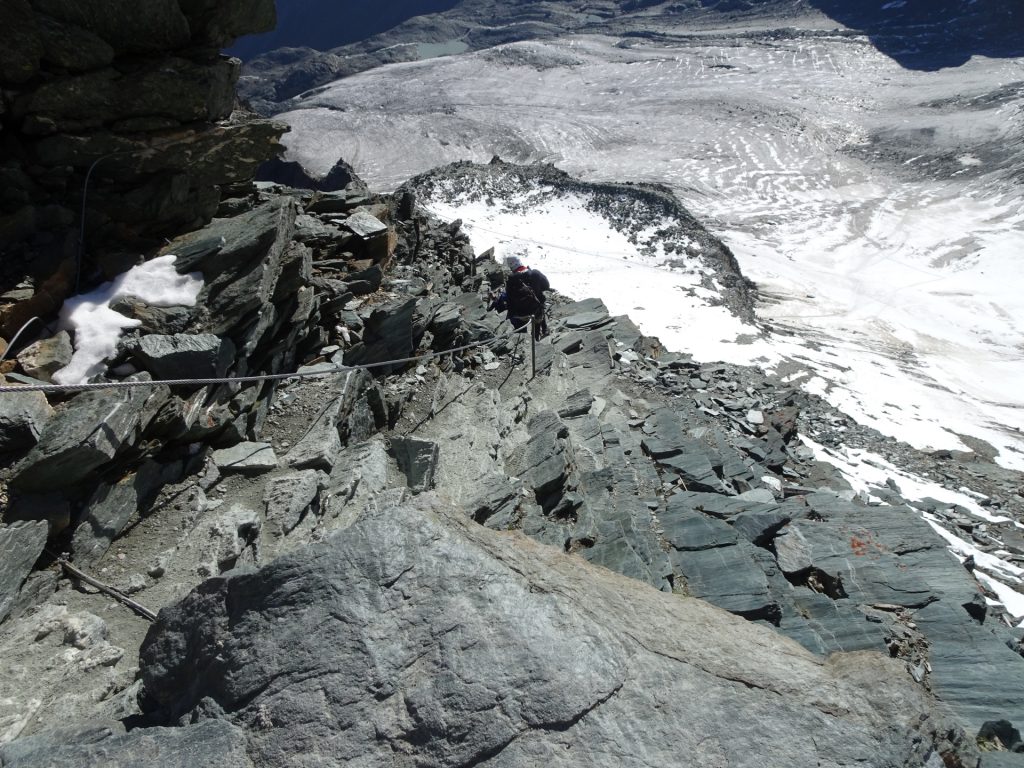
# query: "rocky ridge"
443, 561
689, 478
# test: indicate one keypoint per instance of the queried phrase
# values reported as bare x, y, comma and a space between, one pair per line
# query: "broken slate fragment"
85, 435
246, 458
365, 225
22, 418
576, 404
44, 358
695, 470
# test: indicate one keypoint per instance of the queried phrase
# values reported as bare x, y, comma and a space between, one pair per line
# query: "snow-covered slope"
876, 207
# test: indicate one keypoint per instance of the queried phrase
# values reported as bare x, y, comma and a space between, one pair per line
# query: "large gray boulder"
418, 638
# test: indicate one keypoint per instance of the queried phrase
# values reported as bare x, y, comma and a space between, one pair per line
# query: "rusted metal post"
532, 354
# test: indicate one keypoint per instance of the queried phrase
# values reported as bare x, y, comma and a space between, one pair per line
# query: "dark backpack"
522, 300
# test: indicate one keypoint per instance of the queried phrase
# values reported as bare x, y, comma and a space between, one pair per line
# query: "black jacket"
519, 303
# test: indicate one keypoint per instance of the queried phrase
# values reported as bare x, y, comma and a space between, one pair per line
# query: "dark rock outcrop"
133, 98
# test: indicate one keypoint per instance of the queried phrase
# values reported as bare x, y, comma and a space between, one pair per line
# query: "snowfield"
875, 207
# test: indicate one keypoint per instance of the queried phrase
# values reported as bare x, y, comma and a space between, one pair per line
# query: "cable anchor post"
531, 357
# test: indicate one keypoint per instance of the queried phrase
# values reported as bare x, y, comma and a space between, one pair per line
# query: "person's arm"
500, 303
540, 282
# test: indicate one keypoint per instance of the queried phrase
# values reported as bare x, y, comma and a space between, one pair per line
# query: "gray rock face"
23, 417
140, 85
147, 26
21, 544
173, 88
422, 657
216, 23
210, 744
184, 356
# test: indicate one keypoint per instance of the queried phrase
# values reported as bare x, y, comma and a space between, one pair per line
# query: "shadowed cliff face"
930, 35
136, 99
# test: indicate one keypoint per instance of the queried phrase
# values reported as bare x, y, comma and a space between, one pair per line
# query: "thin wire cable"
85, 198
85, 194
14, 341
67, 388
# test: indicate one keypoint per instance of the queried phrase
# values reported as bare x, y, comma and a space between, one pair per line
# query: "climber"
524, 296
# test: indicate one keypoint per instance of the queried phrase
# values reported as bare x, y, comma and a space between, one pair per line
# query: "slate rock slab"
21, 544
729, 577
111, 508
85, 435
419, 637
693, 531
44, 358
246, 459
365, 225
287, 498
184, 356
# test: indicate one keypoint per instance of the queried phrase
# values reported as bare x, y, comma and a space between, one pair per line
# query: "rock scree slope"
629, 559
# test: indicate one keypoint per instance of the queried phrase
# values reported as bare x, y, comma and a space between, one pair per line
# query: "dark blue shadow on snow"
934, 34
327, 24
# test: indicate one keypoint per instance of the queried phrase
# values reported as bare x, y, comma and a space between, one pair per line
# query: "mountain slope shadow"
327, 24
934, 34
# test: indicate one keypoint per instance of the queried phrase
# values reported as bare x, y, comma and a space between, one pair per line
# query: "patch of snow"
986, 568
865, 470
97, 328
